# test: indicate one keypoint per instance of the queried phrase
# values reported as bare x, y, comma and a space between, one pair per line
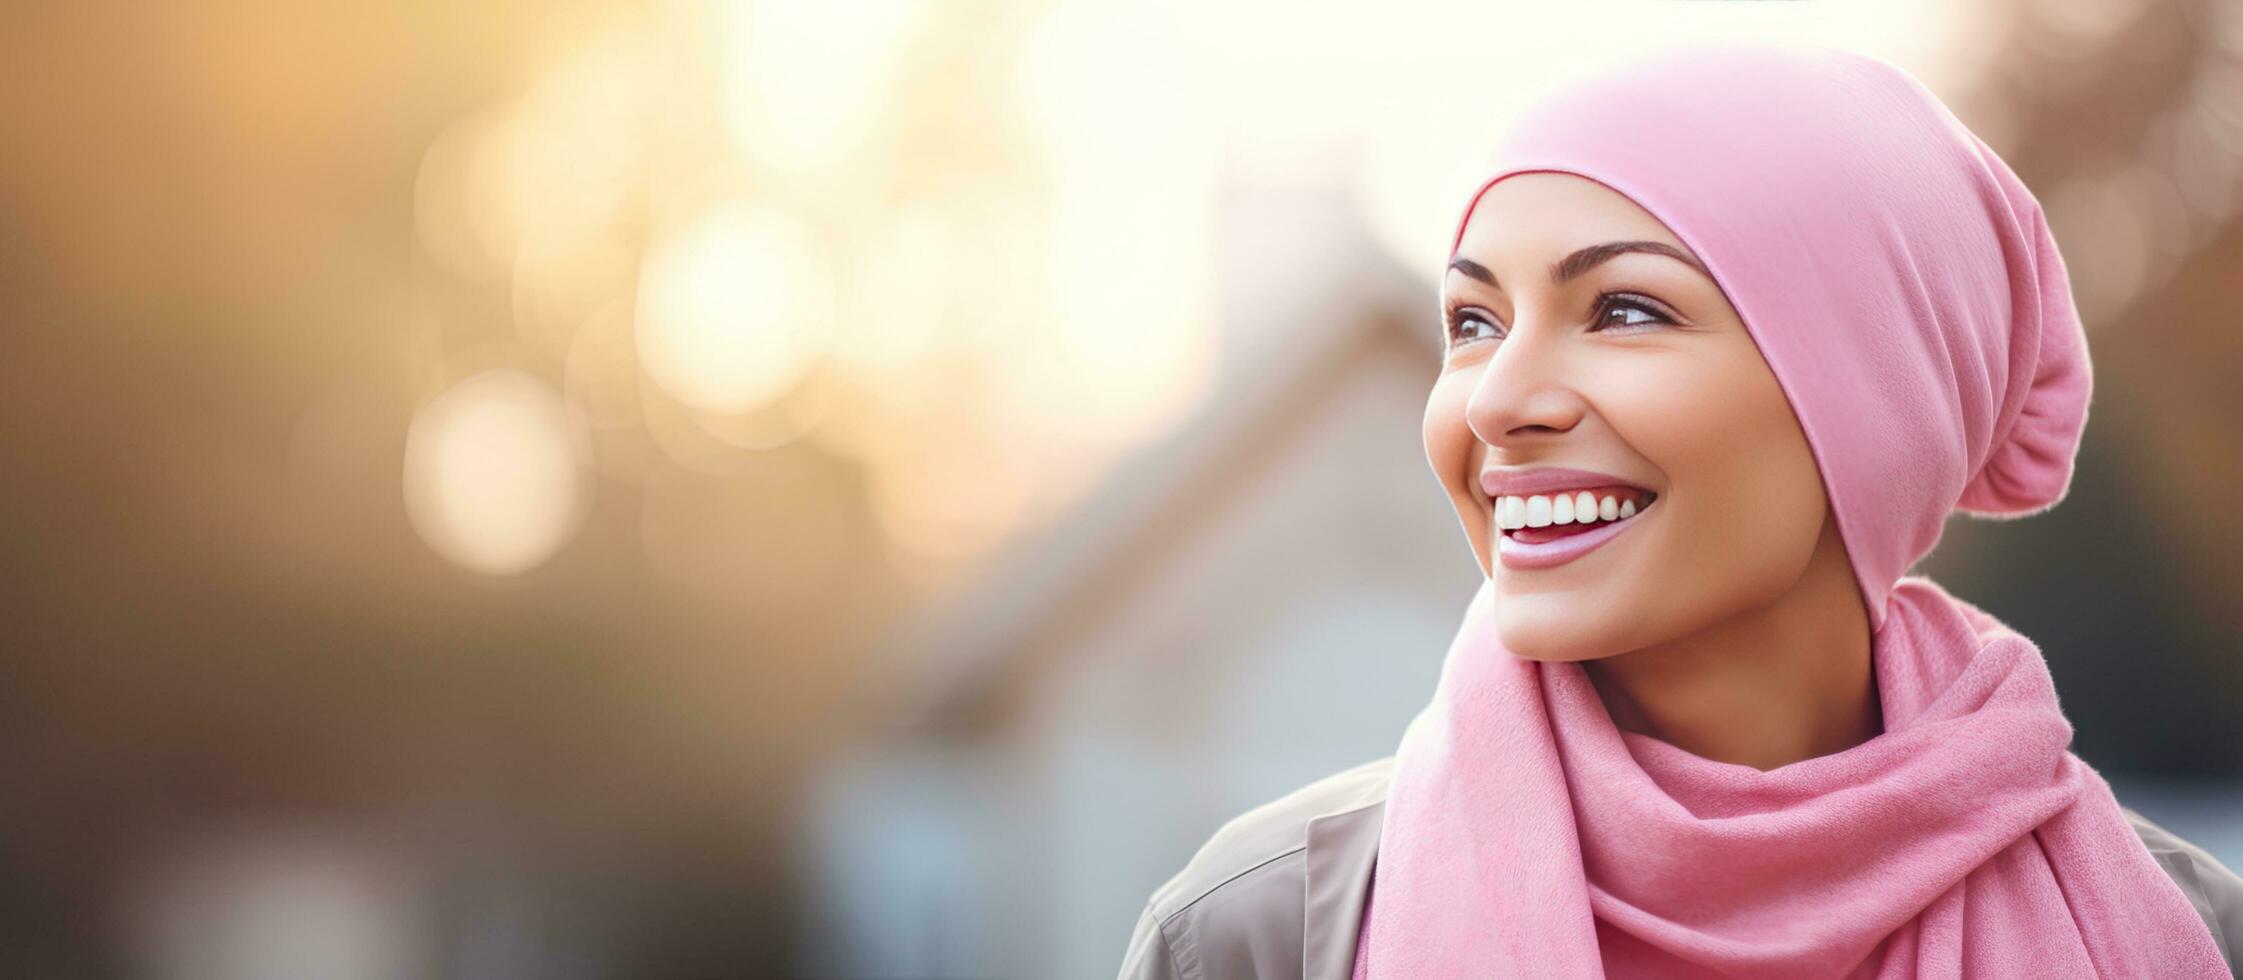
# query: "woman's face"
1636, 368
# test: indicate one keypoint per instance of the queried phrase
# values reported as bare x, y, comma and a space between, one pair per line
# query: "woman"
1731, 332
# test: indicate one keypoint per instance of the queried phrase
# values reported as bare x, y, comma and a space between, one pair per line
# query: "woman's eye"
1467, 325
1623, 306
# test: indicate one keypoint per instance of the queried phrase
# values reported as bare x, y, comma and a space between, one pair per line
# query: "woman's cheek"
1745, 490
1448, 438
1449, 445
1689, 416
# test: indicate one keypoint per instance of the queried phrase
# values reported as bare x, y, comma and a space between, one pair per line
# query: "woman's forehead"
1544, 211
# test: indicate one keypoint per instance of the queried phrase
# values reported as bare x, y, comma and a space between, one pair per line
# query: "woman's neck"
1784, 683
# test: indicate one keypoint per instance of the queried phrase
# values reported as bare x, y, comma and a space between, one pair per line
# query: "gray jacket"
1278, 891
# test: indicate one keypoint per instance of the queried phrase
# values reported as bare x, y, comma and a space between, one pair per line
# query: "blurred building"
1258, 601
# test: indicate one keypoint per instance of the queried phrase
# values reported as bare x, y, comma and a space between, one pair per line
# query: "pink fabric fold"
1527, 836
1903, 287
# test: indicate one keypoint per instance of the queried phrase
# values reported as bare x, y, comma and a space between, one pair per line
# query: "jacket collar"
1342, 847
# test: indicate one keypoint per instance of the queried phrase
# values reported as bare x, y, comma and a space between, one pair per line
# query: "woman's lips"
1519, 555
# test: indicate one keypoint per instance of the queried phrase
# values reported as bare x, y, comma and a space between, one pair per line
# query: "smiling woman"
1697, 413
1735, 599
1627, 365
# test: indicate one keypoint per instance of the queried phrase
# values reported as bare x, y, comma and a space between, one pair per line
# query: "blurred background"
863, 488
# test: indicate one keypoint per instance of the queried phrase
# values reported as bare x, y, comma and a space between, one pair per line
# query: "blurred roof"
1337, 304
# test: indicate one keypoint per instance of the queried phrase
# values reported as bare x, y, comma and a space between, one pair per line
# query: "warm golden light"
900, 291
1135, 154
733, 308
803, 80
495, 473
459, 213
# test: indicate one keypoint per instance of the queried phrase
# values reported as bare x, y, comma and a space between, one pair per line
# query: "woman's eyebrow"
1573, 266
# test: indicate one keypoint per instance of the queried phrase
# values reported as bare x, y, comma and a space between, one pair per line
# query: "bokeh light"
803, 81
733, 308
273, 902
495, 472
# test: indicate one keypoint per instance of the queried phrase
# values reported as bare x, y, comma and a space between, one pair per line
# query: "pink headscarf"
1903, 287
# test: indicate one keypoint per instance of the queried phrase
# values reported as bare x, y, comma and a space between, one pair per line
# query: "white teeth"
1583, 507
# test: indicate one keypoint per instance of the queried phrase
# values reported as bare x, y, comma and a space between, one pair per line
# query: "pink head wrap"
1902, 284
1898, 278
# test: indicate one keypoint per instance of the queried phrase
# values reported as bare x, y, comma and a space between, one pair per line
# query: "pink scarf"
1903, 287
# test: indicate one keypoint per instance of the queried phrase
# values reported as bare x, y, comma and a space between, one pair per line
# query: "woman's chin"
1534, 628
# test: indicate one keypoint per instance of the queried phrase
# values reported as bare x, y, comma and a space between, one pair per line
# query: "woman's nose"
1524, 392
